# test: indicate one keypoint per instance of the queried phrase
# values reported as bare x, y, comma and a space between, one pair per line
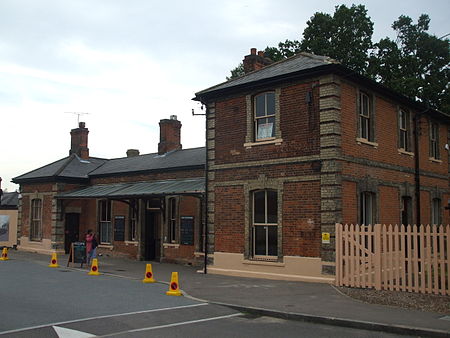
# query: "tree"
236, 72
416, 64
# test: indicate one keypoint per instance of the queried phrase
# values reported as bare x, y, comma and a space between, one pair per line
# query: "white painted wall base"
304, 269
43, 247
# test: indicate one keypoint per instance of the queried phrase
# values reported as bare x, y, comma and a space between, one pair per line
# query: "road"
38, 301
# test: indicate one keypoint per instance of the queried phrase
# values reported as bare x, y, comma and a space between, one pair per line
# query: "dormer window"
264, 108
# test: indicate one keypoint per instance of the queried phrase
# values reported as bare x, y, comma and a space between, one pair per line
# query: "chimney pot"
253, 51
261, 53
132, 152
81, 125
173, 117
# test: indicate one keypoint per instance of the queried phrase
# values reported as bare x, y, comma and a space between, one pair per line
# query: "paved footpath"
314, 302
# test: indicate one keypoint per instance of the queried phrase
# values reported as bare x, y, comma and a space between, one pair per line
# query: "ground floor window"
406, 210
105, 225
172, 220
436, 211
36, 220
367, 208
133, 216
265, 223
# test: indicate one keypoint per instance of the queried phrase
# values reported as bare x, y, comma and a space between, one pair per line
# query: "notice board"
119, 228
187, 230
77, 253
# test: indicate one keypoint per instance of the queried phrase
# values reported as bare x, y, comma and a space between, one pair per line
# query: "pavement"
312, 302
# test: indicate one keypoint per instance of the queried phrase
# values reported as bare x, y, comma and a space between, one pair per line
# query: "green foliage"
236, 72
416, 64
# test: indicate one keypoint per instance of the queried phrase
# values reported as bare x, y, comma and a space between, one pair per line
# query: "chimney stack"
79, 141
132, 152
255, 61
169, 135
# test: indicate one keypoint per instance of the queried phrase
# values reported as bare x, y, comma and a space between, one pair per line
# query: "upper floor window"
265, 223
104, 218
434, 140
36, 220
404, 130
264, 117
367, 208
365, 112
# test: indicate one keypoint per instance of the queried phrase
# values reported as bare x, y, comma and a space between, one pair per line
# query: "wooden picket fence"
402, 258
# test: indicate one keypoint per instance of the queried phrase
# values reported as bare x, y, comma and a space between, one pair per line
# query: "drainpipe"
417, 118
205, 196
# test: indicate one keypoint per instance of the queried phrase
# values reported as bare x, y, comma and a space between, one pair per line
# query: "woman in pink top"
91, 246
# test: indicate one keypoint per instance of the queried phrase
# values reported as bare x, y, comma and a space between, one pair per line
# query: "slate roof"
174, 159
9, 200
300, 62
71, 167
134, 189
75, 168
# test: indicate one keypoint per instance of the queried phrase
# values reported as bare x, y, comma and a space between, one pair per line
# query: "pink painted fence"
391, 257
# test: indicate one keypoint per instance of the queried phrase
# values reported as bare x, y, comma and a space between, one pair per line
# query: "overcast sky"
129, 64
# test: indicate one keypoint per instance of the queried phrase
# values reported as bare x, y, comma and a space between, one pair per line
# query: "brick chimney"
79, 141
132, 152
169, 135
255, 61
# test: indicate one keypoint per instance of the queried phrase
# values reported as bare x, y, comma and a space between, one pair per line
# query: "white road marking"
173, 324
62, 332
100, 317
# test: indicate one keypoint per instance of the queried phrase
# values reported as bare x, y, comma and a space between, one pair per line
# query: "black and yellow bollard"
148, 275
54, 261
174, 287
4, 254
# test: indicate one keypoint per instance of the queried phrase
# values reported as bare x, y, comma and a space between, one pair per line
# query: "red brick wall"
229, 219
349, 202
389, 205
301, 219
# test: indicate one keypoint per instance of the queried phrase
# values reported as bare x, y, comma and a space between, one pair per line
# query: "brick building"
295, 146
145, 206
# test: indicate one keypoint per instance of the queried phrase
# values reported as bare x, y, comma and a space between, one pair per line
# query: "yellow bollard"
148, 275
54, 261
4, 254
174, 287
94, 268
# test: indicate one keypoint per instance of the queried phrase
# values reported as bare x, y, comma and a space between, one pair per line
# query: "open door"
151, 235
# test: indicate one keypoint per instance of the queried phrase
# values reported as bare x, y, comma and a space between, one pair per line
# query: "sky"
125, 65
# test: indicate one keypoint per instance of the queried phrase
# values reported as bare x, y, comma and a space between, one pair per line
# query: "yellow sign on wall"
325, 237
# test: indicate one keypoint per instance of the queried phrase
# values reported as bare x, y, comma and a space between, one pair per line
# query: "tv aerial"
78, 115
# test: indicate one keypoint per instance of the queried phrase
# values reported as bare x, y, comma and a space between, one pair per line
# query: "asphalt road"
37, 301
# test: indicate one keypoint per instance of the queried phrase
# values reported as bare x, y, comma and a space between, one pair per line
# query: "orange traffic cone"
4, 255
94, 268
174, 287
148, 275
54, 261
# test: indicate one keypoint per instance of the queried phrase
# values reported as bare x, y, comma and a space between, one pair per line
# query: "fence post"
338, 244
377, 265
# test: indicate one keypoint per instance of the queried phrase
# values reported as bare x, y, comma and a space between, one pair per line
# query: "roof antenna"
78, 115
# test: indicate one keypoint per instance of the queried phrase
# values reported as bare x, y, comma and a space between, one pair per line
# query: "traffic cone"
148, 275
94, 268
4, 255
174, 287
54, 261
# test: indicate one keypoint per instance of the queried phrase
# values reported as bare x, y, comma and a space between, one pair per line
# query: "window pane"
265, 128
259, 207
272, 207
270, 103
260, 240
272, 241
260, 106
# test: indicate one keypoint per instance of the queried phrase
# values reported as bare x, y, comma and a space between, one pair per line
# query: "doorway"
71, 230
152, 242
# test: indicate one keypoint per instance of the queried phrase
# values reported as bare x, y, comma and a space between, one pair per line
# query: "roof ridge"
65, 164
44, 166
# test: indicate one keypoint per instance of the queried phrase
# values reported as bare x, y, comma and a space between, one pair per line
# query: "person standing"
91, 246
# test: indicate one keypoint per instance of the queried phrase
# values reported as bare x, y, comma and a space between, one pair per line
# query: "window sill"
106, 246
364, 141
435, 160
131, 243
276, 141
404, 152
170, 245
261, 261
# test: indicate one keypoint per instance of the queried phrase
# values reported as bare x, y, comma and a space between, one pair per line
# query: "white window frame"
104, 221
266, 224
365, 117
404, 119
266, 115
36, 219
436, 211
434, 140
172, 220
367, 208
